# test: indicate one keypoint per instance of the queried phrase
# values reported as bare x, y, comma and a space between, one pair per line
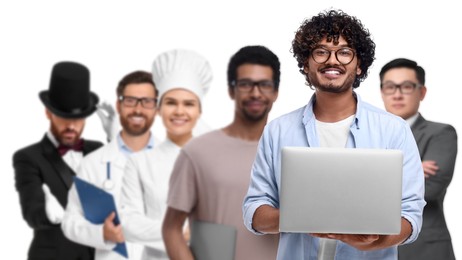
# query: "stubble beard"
251, 117
255, 117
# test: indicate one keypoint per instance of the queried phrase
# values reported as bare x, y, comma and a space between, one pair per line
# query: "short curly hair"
333, 24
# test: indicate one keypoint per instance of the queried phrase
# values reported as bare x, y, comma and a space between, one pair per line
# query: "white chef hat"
181, 68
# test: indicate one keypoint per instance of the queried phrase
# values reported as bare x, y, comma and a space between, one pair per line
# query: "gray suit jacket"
436, 142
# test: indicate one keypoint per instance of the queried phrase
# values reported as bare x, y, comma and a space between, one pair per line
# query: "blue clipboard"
97, 204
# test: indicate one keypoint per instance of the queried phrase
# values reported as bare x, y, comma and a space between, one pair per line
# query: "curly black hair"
333, 24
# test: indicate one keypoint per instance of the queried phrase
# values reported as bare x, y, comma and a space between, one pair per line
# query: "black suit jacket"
436, 142
34, 165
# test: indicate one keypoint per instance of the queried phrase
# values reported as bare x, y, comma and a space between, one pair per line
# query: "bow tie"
62, 149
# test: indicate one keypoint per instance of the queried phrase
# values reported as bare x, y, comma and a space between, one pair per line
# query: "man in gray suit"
402, 83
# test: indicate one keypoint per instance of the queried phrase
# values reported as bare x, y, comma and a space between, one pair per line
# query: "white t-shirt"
332, 135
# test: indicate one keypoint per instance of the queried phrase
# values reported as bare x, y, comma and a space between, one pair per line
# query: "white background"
116, 37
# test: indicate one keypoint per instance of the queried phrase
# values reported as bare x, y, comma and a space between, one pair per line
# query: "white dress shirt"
71, 158
144, 197
93, 169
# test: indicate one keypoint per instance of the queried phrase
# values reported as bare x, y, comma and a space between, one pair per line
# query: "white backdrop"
116, 37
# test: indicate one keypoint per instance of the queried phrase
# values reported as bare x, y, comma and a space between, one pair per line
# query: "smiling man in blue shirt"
334, 52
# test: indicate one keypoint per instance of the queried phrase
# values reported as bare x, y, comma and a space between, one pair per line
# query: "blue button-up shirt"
371, 128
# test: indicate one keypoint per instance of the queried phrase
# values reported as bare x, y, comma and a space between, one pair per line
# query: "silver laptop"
211, 241
340, 190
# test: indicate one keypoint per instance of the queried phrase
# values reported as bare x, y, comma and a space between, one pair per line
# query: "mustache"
68, 130
253, 99
332, 67
137, 114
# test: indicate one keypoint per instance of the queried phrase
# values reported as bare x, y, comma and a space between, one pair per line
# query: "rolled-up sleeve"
263, 187
413, 186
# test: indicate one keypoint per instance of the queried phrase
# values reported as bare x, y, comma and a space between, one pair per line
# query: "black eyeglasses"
344, 55
130, 101
407, 87
246, 85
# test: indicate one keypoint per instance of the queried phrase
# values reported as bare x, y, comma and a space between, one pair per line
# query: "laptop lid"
340, 190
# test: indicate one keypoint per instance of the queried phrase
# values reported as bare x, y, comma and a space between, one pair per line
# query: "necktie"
78, 146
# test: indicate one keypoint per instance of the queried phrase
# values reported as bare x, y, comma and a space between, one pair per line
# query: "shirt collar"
52, 139
308, 114
411, 120
127, 150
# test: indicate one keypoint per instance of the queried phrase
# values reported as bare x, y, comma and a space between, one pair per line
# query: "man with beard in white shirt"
136, 104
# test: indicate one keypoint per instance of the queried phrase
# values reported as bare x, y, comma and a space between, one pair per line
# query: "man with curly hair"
334, 52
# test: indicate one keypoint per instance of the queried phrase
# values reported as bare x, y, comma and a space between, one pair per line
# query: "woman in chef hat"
182, 78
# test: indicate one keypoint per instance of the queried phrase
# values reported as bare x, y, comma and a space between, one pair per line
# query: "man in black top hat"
44, 170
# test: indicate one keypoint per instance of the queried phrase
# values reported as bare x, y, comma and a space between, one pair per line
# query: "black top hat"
69, 94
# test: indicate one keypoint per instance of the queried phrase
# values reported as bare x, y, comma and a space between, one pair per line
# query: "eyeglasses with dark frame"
343, 55
407, 87
246, 85
145, 102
